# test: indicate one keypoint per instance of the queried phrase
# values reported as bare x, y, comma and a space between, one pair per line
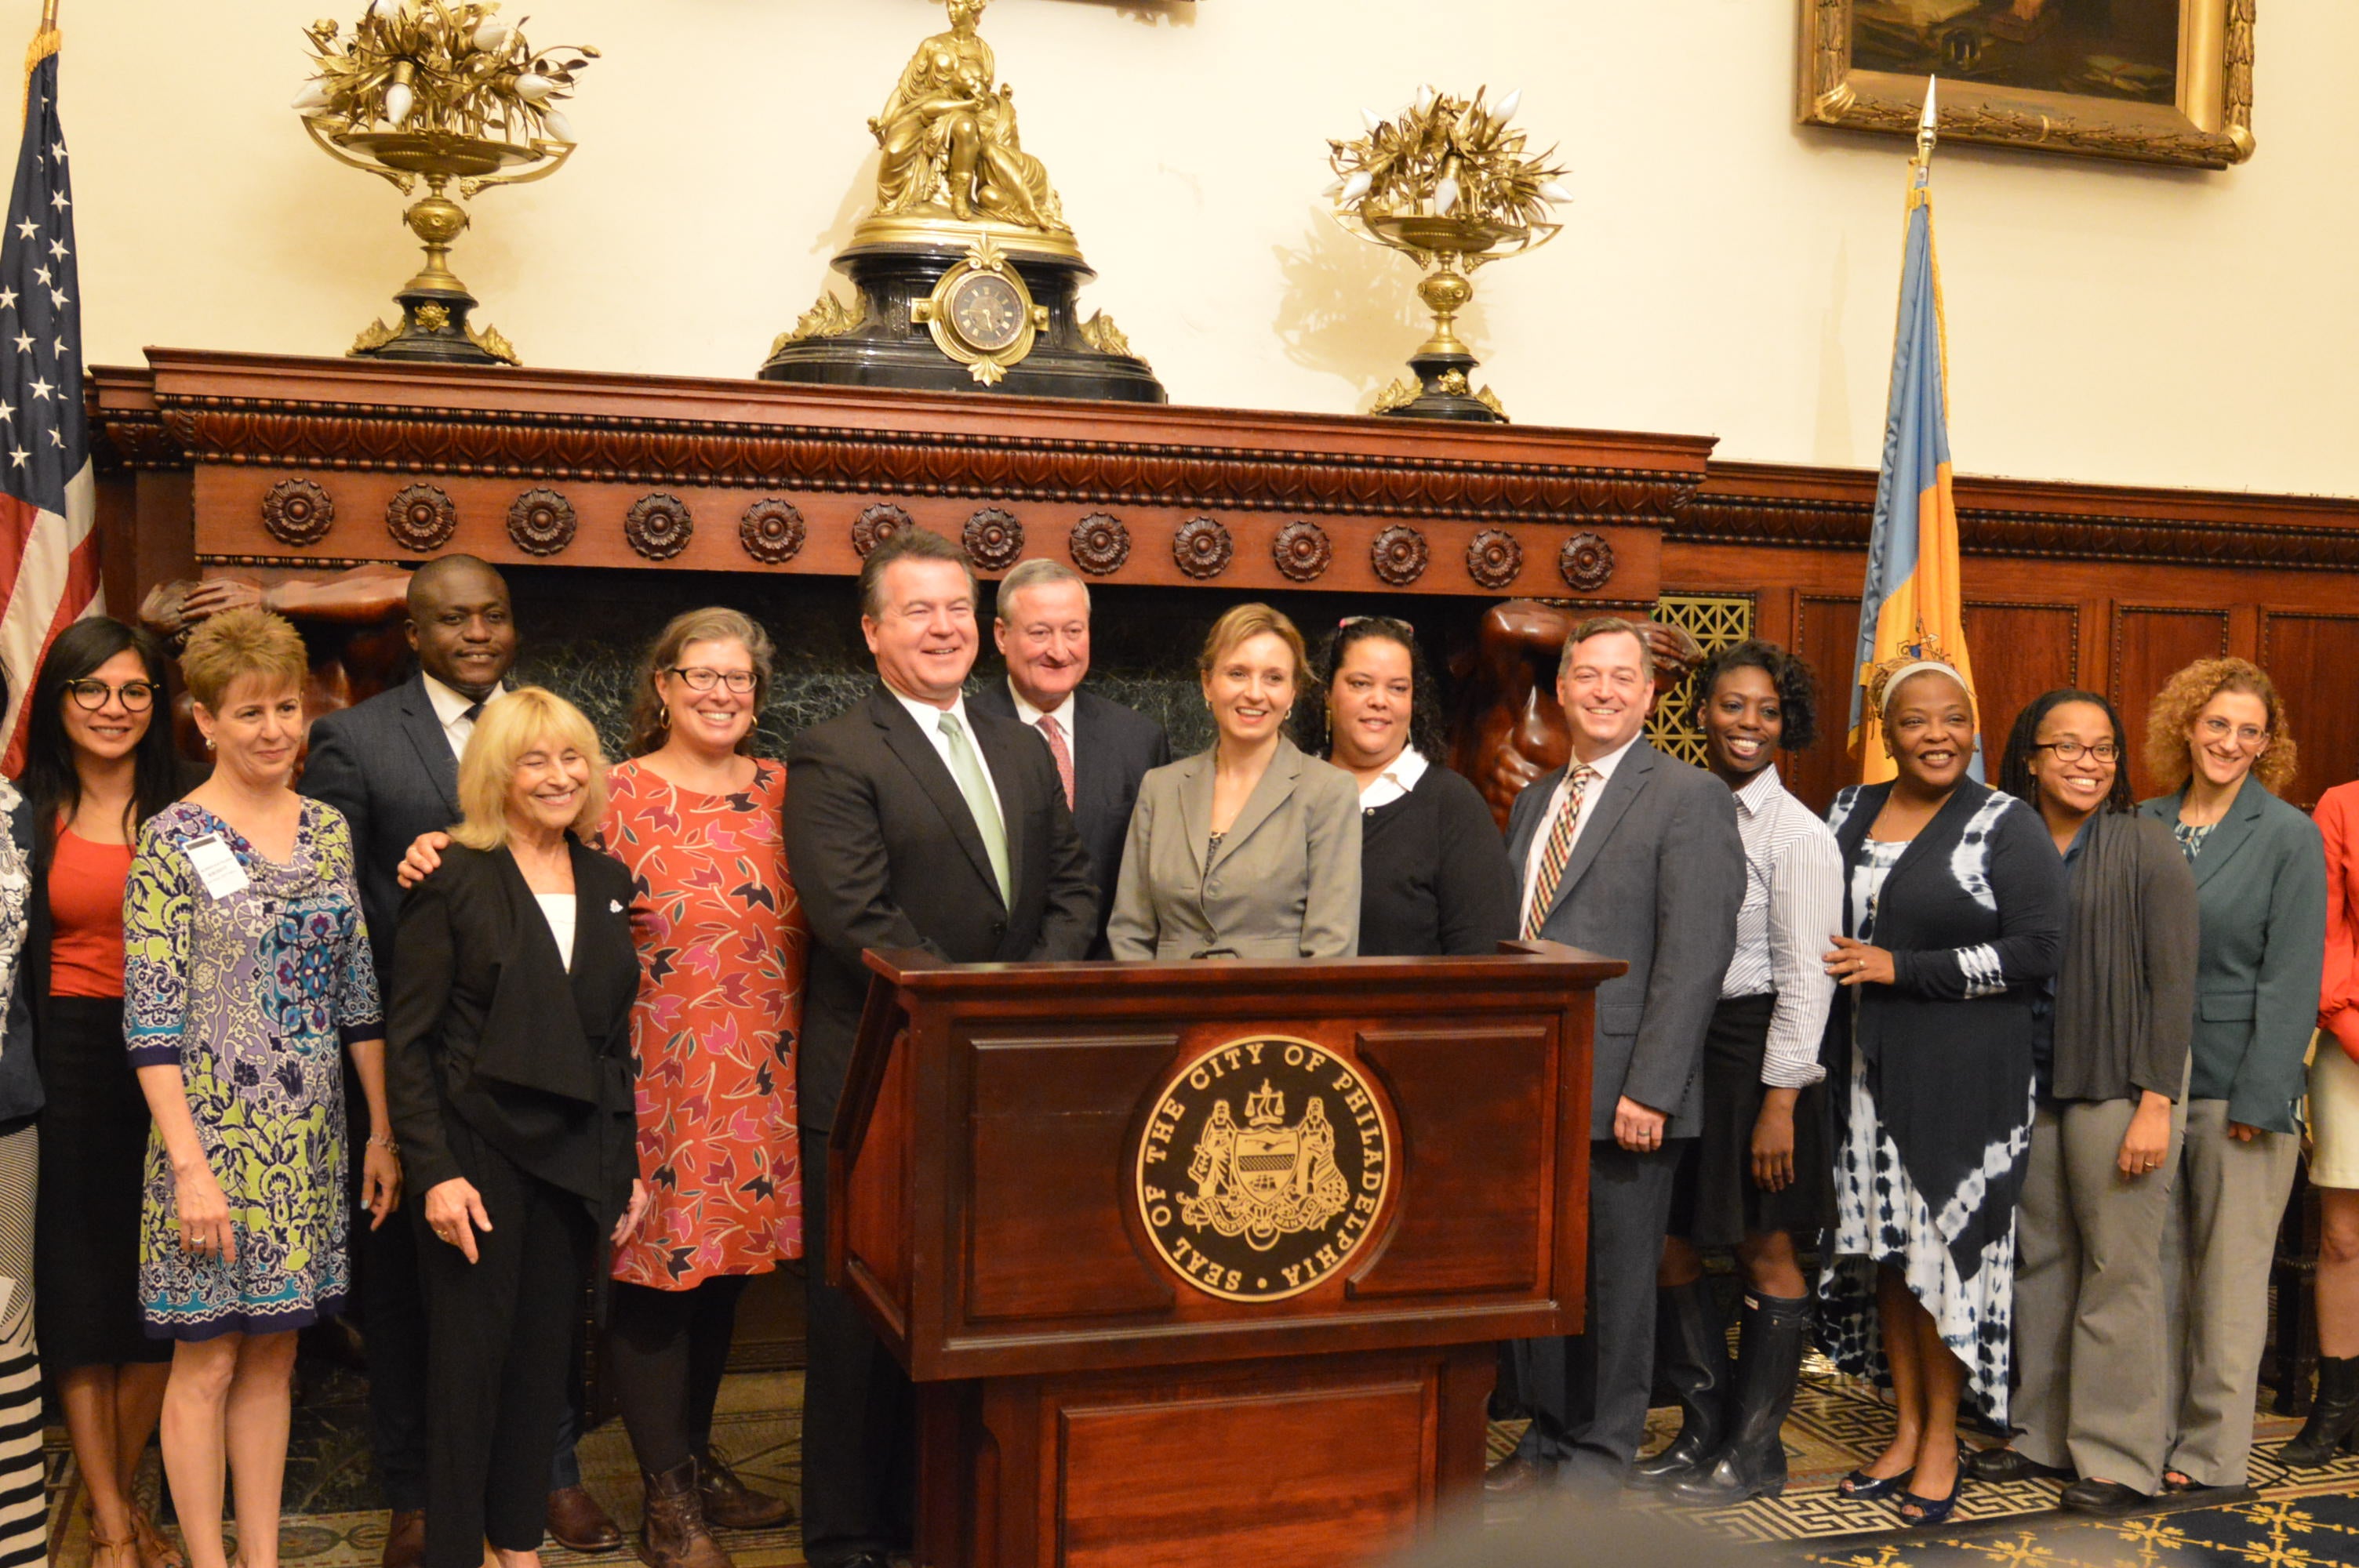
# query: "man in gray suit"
1102, 748
1633, 855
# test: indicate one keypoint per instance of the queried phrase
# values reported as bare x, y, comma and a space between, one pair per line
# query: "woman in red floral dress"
699, 822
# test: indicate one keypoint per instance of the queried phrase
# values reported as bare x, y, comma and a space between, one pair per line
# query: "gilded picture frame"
2166, 81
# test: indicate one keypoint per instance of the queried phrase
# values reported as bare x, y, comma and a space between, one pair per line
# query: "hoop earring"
663, 715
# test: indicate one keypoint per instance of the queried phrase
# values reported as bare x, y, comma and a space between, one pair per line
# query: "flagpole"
48, 16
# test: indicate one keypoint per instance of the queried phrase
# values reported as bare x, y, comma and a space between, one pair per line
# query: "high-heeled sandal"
113, 1550
1859, 1486
1931, 1512
156, 1549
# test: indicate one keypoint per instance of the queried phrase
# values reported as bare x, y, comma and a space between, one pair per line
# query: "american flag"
48, 551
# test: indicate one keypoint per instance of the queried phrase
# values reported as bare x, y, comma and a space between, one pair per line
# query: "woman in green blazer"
2218, 734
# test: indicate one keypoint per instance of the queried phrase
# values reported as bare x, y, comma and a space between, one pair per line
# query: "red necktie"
1055, 736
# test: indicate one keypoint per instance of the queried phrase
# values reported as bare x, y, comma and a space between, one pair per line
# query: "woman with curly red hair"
2218, 739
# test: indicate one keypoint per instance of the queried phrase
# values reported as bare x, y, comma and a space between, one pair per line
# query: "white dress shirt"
1791, 915
451, 708
1396, 782
1062, 713
558, 909
929, 719
1604, 768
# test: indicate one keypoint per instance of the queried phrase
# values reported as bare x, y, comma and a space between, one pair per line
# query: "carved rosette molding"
772, 531
875, 524
298, 511
993, 539
1201, 549
1399, 556
1302, 551
1586, 563
1494, 558
555, 448
1823, 524
1100, 543
541, 523
659, 525
421, 518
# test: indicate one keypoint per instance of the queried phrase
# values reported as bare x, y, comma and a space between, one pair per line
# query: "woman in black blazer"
511, 1082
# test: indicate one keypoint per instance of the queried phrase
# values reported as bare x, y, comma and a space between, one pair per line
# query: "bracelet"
377, 1141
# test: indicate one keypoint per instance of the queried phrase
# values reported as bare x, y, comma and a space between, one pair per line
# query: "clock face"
988, 311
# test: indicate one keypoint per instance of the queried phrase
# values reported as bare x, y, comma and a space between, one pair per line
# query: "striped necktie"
1557, 852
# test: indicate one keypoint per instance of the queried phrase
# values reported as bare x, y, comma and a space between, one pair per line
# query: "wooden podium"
1204, 1263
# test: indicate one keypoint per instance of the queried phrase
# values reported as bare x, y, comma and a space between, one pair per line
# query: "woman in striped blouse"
1761, 1175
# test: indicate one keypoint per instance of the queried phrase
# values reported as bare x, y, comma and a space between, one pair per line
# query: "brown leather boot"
730, 1503
672, 1532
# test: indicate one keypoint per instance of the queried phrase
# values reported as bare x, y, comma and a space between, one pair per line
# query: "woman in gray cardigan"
2218, 736
1249, 850
2109, 1055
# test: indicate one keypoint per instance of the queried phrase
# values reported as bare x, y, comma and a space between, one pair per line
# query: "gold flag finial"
1927, 129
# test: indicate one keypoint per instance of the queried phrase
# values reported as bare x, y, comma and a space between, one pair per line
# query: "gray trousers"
2089, 1327
1588, 1393
2226, 1211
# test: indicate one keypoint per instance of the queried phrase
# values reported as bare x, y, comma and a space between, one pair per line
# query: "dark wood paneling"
2314, 659
2151, 643
1826, 632
1052, 1116
1477, 1178
2019, 651
1283, 1470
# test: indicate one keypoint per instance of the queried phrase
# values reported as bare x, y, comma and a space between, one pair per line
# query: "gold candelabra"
1447, 183
437, 91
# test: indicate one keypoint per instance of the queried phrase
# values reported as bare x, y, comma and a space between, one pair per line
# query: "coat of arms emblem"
1264, 1165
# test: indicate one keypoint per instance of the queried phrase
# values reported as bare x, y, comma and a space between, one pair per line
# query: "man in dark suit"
391, 765
912, 821
1102, 748
1632, 854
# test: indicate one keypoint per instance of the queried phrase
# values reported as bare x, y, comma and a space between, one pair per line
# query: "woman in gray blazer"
2218, 735
1249, 850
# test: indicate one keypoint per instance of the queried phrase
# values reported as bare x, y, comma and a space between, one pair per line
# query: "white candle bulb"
1356, 187
559, 128
1445, 195
491, 35
398, 102
1370, 119
533, 87
1506, 109
1553, 191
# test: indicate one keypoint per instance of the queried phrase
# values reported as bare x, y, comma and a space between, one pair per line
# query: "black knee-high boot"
2334, 1415
1691, 1351
1771, 1334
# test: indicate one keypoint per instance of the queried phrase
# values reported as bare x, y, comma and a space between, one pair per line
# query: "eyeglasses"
698, 678
2070, 750
137, 696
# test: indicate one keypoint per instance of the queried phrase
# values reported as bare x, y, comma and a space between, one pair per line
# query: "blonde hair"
1245, 622
508, 730
650, 724
236, 643
2187, 694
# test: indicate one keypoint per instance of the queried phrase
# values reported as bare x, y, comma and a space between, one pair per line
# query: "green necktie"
967, 769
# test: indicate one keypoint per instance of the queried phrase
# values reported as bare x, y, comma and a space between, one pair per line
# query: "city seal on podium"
1264, 1163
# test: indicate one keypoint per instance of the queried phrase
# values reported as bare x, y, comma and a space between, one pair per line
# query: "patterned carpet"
2291, 1520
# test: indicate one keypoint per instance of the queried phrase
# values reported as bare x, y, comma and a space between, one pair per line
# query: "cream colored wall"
1724, 271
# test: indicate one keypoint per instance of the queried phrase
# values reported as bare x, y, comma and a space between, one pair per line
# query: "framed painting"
2154, 81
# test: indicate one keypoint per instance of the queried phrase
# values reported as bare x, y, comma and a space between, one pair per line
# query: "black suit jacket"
485, 1024
1115, 748
885, 854
387, 766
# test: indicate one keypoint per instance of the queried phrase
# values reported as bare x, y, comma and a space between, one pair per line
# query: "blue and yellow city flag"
1911, 606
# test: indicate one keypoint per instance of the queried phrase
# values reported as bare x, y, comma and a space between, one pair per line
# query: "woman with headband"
1953, 919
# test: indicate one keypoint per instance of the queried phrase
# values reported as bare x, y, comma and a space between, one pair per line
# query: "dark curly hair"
1310, 727
2015, 767
1798, 687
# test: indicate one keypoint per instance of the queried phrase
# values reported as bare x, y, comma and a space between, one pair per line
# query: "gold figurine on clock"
966, 273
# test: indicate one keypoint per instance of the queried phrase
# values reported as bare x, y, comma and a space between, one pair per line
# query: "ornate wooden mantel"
311, 463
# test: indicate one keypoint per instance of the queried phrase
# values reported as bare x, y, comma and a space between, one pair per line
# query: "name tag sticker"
216, 866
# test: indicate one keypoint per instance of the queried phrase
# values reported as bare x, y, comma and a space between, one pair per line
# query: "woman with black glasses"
98, 763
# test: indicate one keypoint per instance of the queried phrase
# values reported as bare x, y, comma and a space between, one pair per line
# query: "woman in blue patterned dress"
246, 981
